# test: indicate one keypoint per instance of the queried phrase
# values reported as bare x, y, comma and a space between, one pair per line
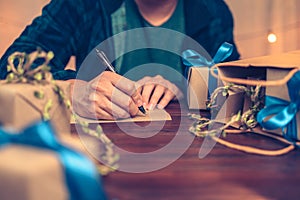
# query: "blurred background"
262, 27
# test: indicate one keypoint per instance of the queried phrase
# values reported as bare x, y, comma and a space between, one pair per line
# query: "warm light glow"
272, 38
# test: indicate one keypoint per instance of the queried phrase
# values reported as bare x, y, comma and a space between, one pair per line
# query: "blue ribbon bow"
192, 58
81, 176
281, 113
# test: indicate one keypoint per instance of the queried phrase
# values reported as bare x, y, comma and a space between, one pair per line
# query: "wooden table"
223, 174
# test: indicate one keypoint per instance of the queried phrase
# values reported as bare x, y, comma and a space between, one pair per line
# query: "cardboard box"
281, 92
228, 106
198, 90
19, 106
273, 72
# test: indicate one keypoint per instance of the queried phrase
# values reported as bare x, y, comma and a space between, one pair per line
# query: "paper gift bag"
34, 165
273, 72
200, 82
20, 105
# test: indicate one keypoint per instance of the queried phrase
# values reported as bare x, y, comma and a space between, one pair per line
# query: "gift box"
228, 106
24, 103
35, 165
273, 72
281, 113
200, 82
198, 91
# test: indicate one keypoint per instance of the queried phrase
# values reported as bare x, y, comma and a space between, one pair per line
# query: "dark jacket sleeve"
54, 30
224, 13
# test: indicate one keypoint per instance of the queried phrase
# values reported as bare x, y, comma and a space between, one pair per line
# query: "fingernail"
160, 107
151, 106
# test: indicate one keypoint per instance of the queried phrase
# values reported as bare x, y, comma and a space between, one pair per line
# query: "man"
76, 27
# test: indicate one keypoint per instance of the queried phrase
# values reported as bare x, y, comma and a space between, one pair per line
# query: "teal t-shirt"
147, 61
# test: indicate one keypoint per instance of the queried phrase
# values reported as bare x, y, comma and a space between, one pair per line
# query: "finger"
104, 106
102, 114
127, 86
146, 93
125, 102
156, 96
137, 97
168, 96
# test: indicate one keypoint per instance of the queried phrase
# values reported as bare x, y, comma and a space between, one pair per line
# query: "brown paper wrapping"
30, 174
197, 87
280, 92
229, 106
19, 106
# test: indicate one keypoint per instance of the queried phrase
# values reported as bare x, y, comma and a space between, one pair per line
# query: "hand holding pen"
107, 96
106, 62
114, 96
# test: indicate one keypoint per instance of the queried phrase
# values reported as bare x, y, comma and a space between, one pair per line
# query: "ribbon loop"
279, 113
192, 58
81, 176
223, 52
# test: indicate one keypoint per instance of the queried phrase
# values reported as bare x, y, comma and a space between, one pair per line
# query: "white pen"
104, 59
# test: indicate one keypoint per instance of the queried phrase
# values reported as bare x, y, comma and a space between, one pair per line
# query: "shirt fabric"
76, 27
128, 17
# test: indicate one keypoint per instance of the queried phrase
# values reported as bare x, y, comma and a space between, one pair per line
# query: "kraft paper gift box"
200, 81
198, 89
35, 165
228, 106
283, 105
20, 107
272, 72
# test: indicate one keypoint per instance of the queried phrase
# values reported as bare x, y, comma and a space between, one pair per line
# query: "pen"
106, 62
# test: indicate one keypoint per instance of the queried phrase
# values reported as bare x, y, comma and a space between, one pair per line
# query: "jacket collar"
111, 5
197, 15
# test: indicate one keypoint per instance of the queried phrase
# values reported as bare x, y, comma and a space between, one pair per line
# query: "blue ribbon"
81, 176
193, 59
279, 113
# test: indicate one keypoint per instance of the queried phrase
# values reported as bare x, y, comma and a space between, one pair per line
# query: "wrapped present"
35, 165
200, 82
227, 105
21, 105
29, 94
282, 104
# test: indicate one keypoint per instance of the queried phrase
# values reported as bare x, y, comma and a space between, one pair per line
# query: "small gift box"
35, 165
228, 105
282, 104
200, 82
29, 93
